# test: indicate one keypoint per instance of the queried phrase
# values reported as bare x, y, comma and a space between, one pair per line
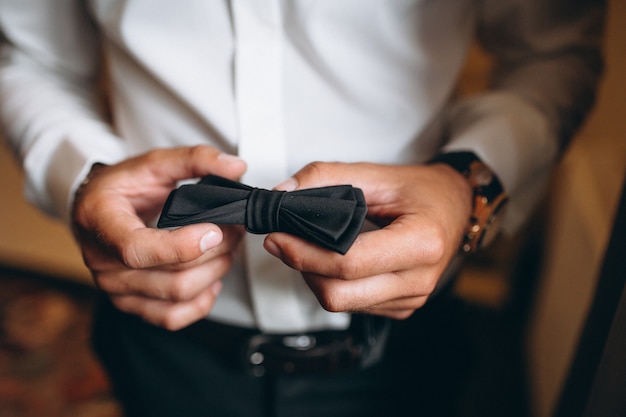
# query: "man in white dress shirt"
110, 104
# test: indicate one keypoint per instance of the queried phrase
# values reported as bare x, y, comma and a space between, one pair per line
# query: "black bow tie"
332, 216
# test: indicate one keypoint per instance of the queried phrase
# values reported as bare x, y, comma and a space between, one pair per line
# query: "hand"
168, 277
423, 212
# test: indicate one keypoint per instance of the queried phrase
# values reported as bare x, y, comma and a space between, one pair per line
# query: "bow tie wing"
212, 200
330, 216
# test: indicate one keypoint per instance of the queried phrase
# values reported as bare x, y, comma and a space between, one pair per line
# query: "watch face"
481, 174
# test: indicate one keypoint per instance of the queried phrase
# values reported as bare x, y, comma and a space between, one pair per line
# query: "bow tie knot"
329, 216
263, 211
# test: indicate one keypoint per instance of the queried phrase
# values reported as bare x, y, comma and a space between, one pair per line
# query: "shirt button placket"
258, 66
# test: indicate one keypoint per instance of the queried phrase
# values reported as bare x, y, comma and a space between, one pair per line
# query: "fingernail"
228, 158
272, 247
288, 185
209, 240
216, 287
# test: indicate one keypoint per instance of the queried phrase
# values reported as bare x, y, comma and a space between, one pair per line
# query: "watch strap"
489, 197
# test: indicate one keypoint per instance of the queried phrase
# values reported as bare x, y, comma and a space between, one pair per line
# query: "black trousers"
156, 373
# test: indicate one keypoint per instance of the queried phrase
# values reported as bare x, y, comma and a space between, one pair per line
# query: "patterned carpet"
46, 366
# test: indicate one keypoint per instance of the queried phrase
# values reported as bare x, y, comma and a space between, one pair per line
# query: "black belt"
323, 352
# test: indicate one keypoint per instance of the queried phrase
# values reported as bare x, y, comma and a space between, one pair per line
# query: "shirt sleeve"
51, 109
547, 57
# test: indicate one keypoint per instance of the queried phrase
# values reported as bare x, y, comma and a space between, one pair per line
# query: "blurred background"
530, 298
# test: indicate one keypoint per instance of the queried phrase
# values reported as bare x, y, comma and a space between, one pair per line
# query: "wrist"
80, 190
489, 200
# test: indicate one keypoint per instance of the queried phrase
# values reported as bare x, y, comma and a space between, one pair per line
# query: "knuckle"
154, 155
79, 215
418, 287
180, 255
129, 256
90, 259
114, 283
198, 150
402, 314
433, 246
331, 303
83, 211
103, 283
180, 288
171, 322
121, 304
174, 319
318, 169
100, 282
221, 265
294, 259
428, 289
204, 304
348, 268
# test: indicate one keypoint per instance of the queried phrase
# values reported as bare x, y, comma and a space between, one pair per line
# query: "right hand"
170, 278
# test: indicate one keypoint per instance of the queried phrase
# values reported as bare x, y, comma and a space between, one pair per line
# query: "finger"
175, 164
321, 174
396, 314
181, 285
138, 247
172, 316
405, 244
385, 291
399, 306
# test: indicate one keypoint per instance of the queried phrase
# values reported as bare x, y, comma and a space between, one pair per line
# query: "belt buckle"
301, 354
326, 352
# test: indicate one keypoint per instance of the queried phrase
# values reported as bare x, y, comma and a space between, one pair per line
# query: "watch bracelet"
485, 194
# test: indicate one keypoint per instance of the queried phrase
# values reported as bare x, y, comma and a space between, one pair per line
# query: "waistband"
321, 352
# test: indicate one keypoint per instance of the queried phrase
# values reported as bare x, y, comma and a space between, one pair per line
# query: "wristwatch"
489, 199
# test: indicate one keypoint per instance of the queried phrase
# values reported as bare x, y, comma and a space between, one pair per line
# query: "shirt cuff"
55, 169
514, 139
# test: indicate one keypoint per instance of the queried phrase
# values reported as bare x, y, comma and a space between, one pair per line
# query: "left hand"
423, 211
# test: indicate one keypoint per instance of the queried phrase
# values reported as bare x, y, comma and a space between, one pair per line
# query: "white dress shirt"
284, 83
